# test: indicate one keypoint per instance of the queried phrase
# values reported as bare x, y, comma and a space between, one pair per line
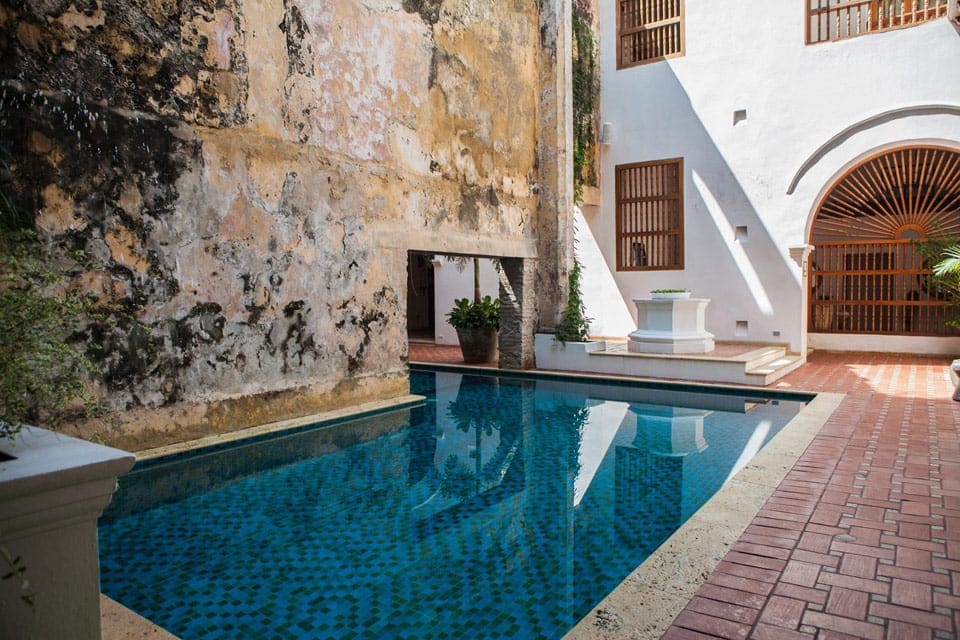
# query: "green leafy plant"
484, 314
42, 375
943, 254
574, 326
949, 265
947, 274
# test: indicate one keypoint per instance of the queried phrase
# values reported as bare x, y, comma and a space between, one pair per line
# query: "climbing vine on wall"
586, 93
574, 326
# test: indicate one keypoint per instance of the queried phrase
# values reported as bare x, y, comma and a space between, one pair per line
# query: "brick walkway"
443, 354
862, 539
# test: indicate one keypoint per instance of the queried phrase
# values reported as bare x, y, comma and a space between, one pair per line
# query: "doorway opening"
421, 323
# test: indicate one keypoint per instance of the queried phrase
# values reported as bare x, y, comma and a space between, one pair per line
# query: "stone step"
775, 369
730, 363
760, 357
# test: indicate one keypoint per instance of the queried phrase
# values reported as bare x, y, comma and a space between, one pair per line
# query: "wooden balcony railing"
837, 20
879, 287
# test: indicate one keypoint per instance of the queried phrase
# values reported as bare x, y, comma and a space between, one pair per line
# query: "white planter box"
571, 356
51, 495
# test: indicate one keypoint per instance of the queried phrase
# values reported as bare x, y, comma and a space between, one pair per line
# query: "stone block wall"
239, 183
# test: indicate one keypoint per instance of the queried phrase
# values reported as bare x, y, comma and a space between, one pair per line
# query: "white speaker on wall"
606, 133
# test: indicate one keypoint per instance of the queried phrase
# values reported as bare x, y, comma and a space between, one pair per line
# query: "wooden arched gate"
867, 273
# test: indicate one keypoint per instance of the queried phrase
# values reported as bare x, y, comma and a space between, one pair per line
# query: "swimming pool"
502, 507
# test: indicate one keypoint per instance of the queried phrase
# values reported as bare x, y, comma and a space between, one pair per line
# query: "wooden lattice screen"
648, 30
650, 215
839, 19
866, 272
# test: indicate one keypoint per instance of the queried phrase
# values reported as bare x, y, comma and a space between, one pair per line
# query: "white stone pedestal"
673, 325
51, 495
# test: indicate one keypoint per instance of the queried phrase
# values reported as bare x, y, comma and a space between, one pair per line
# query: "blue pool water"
499, 508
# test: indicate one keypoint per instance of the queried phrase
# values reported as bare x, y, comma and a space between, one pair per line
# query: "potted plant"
477, 324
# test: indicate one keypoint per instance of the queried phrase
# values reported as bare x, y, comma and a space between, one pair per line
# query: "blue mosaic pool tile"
386, 538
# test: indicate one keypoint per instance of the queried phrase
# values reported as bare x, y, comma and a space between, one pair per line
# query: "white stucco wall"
451, 283
606, 310
797, 97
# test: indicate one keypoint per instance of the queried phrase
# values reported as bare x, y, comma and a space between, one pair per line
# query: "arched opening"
867, 272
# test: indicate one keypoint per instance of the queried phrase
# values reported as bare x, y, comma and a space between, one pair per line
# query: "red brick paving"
441, 354
874, 499
862, 538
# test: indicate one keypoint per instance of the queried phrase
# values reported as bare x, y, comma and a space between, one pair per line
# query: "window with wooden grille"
841, 19
648, 31
650, 215
867, 273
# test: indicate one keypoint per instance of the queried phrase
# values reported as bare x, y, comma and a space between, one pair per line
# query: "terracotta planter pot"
477, 345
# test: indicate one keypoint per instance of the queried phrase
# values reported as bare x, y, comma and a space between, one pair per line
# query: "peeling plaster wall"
244, 180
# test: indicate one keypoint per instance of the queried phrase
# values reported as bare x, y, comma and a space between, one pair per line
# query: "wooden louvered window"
650, 215
841, 19
648, 31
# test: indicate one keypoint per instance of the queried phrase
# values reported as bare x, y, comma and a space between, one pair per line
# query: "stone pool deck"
860, 539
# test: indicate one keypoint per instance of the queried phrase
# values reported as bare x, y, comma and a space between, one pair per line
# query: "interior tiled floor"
862, 538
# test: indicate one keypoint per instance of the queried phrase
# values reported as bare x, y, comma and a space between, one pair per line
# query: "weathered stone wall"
242, 181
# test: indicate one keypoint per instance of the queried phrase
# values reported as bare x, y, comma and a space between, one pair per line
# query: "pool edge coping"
624, 380
645, 603
288, 427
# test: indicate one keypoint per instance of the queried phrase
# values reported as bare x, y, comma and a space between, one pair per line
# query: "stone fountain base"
671, 326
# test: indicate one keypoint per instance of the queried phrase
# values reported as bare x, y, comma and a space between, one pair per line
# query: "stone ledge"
119, 623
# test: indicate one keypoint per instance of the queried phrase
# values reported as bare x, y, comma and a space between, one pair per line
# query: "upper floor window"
648, 30
841, 19
650, 215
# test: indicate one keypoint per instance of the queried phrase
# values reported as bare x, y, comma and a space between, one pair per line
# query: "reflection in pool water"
500, 508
